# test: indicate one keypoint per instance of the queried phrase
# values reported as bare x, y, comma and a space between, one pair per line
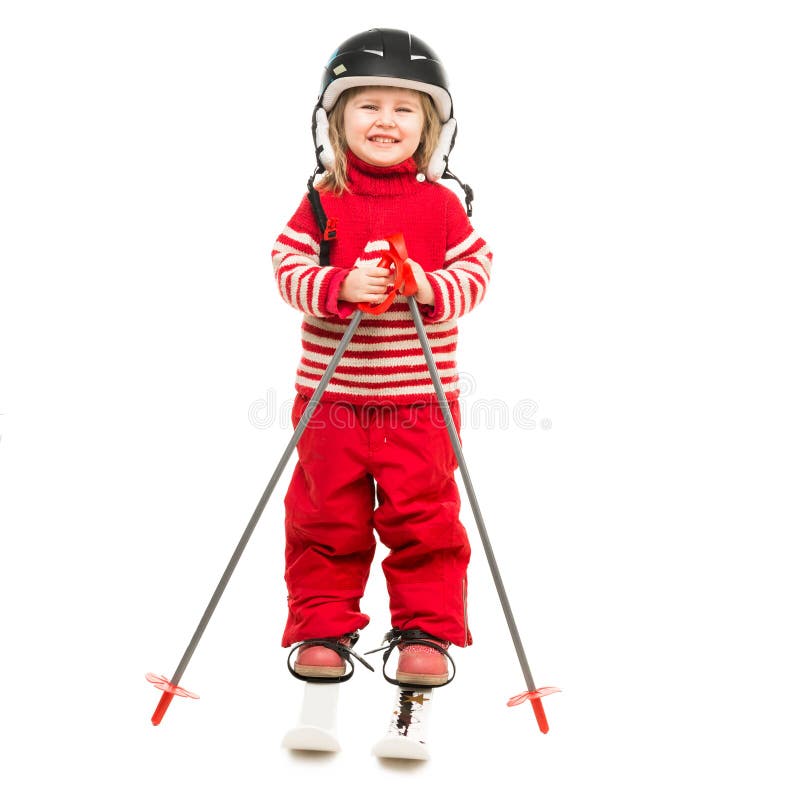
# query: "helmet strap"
469, 195
328, 227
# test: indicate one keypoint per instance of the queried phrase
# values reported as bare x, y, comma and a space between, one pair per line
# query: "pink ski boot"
420, 664
325, 659
423, 658
320, 661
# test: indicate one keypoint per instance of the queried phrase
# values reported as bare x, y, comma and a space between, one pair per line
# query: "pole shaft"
248, 531
473, 500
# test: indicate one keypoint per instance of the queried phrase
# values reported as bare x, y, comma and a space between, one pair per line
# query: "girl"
383, 128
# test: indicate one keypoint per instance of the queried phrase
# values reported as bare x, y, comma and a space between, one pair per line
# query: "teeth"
382, 139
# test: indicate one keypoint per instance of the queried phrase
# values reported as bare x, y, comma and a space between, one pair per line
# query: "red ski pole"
533, 694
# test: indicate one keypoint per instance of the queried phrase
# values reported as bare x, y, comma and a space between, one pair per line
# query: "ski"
316, 728
407, 733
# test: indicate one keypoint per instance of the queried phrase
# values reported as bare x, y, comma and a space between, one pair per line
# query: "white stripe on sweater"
280, 251
372, 380
436, 276
460, 247
387, 361
375, 245
484, 258
301, 238
474, 261
480, 258
468, 287
292, 258
284, 286
294, 287
366, 329
302, 293
379, 391
319, 279
400, 344
363, 264
458, 300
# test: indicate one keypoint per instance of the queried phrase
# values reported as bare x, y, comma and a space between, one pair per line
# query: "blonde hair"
335, 180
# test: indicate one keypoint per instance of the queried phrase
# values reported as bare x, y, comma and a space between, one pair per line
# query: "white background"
636, 172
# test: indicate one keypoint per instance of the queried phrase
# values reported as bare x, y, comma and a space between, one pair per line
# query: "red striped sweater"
384, 362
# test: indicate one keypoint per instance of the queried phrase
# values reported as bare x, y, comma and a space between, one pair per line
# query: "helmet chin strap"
327, 227
469, 195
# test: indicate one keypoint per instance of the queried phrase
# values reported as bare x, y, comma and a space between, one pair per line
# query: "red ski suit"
378, 434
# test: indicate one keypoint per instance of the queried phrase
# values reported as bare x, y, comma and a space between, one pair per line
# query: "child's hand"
365, 285
424, 291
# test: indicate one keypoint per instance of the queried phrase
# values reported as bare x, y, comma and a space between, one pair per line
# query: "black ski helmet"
387, 57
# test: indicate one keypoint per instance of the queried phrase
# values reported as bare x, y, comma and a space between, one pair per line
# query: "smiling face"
383, 124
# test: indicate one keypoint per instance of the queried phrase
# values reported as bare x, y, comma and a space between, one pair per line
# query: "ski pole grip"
394, 258
161, 708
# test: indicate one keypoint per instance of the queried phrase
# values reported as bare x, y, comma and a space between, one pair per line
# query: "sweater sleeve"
460, 284
302, 282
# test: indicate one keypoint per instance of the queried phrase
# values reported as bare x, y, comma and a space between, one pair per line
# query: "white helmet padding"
441, 97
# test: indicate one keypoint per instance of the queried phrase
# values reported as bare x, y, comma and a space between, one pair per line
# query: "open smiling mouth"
383, 140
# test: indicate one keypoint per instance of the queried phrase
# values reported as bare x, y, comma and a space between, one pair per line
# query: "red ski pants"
346, 453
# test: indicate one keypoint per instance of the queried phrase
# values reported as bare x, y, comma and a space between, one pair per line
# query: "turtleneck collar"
365, 178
